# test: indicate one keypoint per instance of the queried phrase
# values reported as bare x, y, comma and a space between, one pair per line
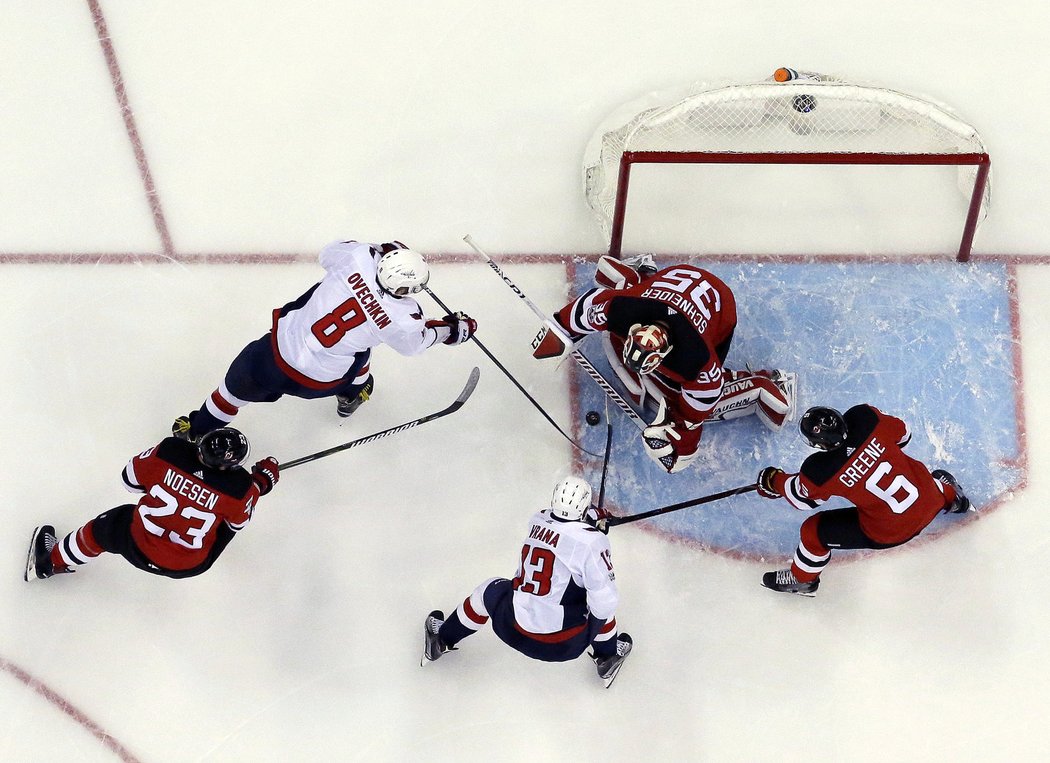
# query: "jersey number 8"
333, 327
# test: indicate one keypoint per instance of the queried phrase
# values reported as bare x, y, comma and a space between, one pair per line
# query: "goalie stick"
510, 376
614, 521
549, 326
468, 389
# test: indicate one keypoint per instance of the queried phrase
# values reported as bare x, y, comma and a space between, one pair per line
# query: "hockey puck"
593, 418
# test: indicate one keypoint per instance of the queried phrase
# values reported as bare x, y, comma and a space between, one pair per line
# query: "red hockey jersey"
894, 494
177, 520
700, 312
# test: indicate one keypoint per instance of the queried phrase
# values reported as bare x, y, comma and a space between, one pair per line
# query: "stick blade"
468, 388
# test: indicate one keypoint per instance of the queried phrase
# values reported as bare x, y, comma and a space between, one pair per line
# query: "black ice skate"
345, 406
38, 560
609, 667
961, 504
785, 582
181, 428
433, 646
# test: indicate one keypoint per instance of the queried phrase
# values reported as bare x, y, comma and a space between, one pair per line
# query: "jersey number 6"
889, 494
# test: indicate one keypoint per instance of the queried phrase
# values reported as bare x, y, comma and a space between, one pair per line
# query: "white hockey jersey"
566, 572
319, 334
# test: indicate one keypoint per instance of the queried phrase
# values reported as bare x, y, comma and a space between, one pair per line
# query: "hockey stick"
510, 376
613, 521
608, 452
468, 388
578, 356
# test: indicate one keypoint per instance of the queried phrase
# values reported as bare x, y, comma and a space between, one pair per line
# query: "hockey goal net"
793, 118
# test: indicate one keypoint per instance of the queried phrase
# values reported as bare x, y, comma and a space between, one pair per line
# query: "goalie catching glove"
458, 327
672, 444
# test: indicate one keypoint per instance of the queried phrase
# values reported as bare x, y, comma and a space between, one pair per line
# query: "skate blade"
807, 594
31, 556
616, 671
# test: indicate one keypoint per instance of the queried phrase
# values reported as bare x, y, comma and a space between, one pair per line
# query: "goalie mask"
571, 499
223, 448
646, 347
824, 428
402, 272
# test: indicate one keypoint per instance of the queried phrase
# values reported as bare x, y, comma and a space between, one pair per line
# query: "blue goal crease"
929, 342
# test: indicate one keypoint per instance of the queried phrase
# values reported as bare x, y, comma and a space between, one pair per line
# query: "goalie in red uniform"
667, 333
895, 497
197, 496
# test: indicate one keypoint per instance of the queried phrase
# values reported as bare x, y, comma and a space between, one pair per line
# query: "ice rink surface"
172, 169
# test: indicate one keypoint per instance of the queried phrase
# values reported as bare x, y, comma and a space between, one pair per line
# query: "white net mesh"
810, 114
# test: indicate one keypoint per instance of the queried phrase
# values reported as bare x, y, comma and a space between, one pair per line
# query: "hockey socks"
77, 548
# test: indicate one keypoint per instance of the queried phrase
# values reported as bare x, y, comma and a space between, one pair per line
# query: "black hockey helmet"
223, 448
824, 428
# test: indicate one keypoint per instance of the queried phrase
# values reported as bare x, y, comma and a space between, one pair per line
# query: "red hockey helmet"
646, 347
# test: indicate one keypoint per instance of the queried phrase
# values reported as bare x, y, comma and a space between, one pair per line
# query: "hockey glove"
597, 518
672, 444
461, 327
265, 474
553, 341
767, 480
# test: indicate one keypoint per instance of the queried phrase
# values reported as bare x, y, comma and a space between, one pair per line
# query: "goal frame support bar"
630, 158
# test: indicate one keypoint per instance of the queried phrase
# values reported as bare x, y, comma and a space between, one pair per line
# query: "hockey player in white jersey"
562, 599
320, 345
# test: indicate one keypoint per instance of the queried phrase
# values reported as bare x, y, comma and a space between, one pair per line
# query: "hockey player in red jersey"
562, 599
321, 344
895, 497
667, 334
196, 498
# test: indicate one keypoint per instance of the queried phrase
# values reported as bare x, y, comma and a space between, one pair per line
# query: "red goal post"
810, 119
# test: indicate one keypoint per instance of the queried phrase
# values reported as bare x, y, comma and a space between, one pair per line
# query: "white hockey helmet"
571, 499
402, 272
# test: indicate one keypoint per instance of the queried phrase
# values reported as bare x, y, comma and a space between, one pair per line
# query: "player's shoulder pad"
232, 482
861, 421
177, 452
821, 466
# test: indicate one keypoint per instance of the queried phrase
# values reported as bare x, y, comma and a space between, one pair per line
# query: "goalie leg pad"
768, 394
776, 402
614, 274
